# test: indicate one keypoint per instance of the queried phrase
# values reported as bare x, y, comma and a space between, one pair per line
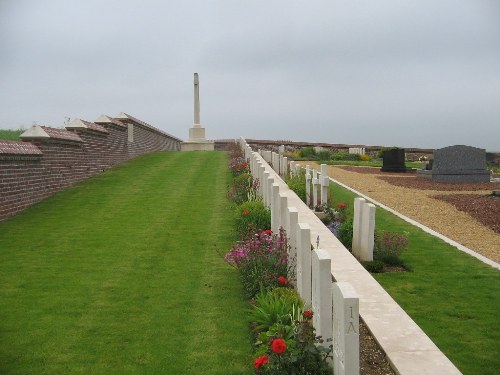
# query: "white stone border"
460, 247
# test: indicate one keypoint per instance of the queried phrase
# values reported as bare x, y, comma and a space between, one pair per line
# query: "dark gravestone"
459, 164
393, 160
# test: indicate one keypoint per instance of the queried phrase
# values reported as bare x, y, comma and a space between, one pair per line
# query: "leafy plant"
305, 152
374, 266
261, 261
275, 306
388, 246
345, 232
252, 217
297, 183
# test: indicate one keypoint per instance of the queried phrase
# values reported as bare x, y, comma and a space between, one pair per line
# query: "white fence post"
345, 329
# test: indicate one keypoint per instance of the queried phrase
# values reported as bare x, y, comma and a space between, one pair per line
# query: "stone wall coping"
107, 120
19, 148
124, 117
409, 350
38, 132
78, 124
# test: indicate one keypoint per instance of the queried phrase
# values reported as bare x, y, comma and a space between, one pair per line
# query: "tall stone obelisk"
197, 123
197, 140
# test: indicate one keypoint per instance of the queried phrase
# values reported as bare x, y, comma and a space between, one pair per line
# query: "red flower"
261, 361
244, 165
237, 169
268, 232
341, 206
308, 314
278, 346
282, 280
245, 212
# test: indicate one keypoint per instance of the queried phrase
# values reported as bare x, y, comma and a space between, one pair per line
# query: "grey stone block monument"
458, 164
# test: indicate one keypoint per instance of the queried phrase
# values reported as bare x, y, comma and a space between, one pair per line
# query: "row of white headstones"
364, 212
335, 304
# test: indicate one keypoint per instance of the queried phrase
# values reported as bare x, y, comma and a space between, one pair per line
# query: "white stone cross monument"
197, 140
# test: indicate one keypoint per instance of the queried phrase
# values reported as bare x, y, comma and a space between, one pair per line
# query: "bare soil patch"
372, 360
484, 208
424, 184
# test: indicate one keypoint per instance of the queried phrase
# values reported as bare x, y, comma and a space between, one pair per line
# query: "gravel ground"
470, 224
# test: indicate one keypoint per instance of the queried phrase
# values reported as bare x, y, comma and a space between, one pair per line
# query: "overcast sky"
408, 73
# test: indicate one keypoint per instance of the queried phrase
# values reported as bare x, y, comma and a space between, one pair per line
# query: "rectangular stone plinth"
197, 146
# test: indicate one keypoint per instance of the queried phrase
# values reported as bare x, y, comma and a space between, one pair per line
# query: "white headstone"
367, 232
304, 262
266, 178
322, 295
314, 189
356, 226
284, 212
345, 329
325, 181
293, 220
308, 186
275, 208
285, 166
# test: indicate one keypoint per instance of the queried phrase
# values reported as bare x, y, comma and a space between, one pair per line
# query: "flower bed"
284, 338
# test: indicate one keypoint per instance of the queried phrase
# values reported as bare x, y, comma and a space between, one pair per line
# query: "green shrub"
275, 306
345, 234
298, 185
238, 191
305, 152
340, 155
375, 266
324, 155
252, 217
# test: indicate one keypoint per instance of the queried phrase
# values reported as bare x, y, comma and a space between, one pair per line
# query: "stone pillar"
196, 101
345, 329
275, 208
322, 295
356, 226
367, 232
285, 166
304, 261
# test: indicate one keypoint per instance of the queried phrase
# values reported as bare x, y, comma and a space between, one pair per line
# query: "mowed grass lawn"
452, 296
120, 275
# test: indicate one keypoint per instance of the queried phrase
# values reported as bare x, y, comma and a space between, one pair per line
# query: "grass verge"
452, 296
12, 135
119, 275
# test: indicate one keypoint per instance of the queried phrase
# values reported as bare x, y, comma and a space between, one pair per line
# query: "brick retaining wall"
48, 160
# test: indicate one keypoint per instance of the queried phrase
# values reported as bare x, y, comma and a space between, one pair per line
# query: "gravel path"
422, 201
